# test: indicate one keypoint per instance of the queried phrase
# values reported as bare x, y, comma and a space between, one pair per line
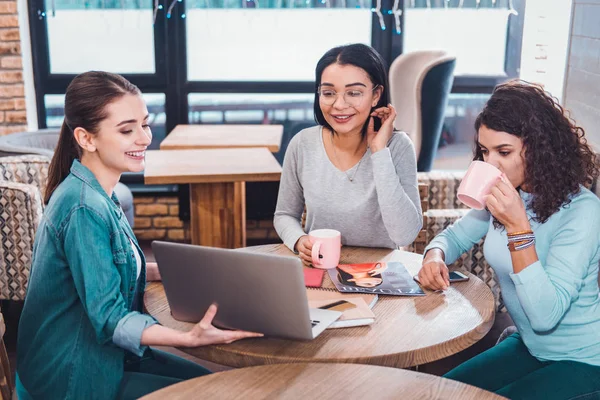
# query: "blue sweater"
554, 302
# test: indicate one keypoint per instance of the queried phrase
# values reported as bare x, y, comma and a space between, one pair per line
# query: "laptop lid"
254, 292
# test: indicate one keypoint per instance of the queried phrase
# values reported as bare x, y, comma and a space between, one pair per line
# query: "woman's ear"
85, 139
376, 95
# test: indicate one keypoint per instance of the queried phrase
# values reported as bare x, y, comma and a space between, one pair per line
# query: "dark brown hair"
363, 57
557, 157
86, 99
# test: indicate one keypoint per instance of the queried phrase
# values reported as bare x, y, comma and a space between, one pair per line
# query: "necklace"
350, 178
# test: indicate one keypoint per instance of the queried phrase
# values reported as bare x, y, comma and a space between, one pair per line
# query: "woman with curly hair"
542, 229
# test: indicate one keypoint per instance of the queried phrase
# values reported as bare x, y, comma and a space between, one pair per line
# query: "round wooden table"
319, 381
408, 331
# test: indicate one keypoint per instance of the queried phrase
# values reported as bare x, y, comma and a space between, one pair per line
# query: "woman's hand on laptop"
152, 273
204, 333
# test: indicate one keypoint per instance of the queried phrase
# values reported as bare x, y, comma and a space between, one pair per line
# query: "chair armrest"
9, 150
473, 260
29, 169
21, 206
442, 188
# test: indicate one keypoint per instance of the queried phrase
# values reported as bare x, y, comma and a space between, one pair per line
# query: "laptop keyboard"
314, 323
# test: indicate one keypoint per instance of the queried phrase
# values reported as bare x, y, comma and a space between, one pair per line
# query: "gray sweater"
379, 208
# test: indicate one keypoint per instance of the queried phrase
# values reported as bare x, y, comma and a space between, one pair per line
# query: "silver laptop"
254, 292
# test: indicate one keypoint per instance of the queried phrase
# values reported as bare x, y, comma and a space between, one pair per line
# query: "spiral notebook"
361, 314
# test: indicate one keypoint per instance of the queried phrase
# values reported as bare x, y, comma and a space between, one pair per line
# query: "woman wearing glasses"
352, 171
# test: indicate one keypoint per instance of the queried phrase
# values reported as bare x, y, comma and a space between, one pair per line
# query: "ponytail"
66, 151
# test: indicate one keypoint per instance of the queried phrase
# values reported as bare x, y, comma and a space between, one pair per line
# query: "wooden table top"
185, 137
319, 381
211, 165
407, 331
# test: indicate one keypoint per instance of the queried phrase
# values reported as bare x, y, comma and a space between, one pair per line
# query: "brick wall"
261, 232
13, 117
157, 218
582, 83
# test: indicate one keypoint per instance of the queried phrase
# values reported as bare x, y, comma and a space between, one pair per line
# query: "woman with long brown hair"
542, 238
82, 334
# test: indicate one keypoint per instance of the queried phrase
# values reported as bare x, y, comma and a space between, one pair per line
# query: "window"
249, 108
293, 111
253, 61
455, 150
269, 43
114, 36
475, 31
476, 37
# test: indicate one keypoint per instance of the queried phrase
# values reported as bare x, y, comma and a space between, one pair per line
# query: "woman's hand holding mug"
326, 248
505, 204
320, 248
304, 249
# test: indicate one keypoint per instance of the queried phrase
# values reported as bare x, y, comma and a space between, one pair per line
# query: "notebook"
357, 316
313, 277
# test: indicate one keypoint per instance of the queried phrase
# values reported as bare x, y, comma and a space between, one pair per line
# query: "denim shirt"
77, 322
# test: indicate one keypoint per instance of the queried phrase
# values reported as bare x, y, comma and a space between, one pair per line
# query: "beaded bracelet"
520, 238
520, 245
529, 232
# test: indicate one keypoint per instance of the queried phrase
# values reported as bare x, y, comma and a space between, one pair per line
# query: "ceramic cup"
477, 183
326, 247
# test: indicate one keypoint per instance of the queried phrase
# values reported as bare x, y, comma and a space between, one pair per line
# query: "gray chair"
420, 83
43, 142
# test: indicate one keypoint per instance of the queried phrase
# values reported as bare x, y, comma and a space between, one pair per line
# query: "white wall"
546, 32
582, 82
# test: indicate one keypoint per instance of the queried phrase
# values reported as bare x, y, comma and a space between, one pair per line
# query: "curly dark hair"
557, 157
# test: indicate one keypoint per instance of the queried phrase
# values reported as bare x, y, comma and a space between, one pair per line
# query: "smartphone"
456, 276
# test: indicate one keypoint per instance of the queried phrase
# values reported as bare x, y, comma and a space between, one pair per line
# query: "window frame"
170, 77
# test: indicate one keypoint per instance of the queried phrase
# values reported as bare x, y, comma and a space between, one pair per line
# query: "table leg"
218, 214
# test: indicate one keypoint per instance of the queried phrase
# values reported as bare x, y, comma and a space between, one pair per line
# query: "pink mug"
477, 183
326, 247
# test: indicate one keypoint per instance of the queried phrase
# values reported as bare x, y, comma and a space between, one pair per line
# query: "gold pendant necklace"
350, 178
